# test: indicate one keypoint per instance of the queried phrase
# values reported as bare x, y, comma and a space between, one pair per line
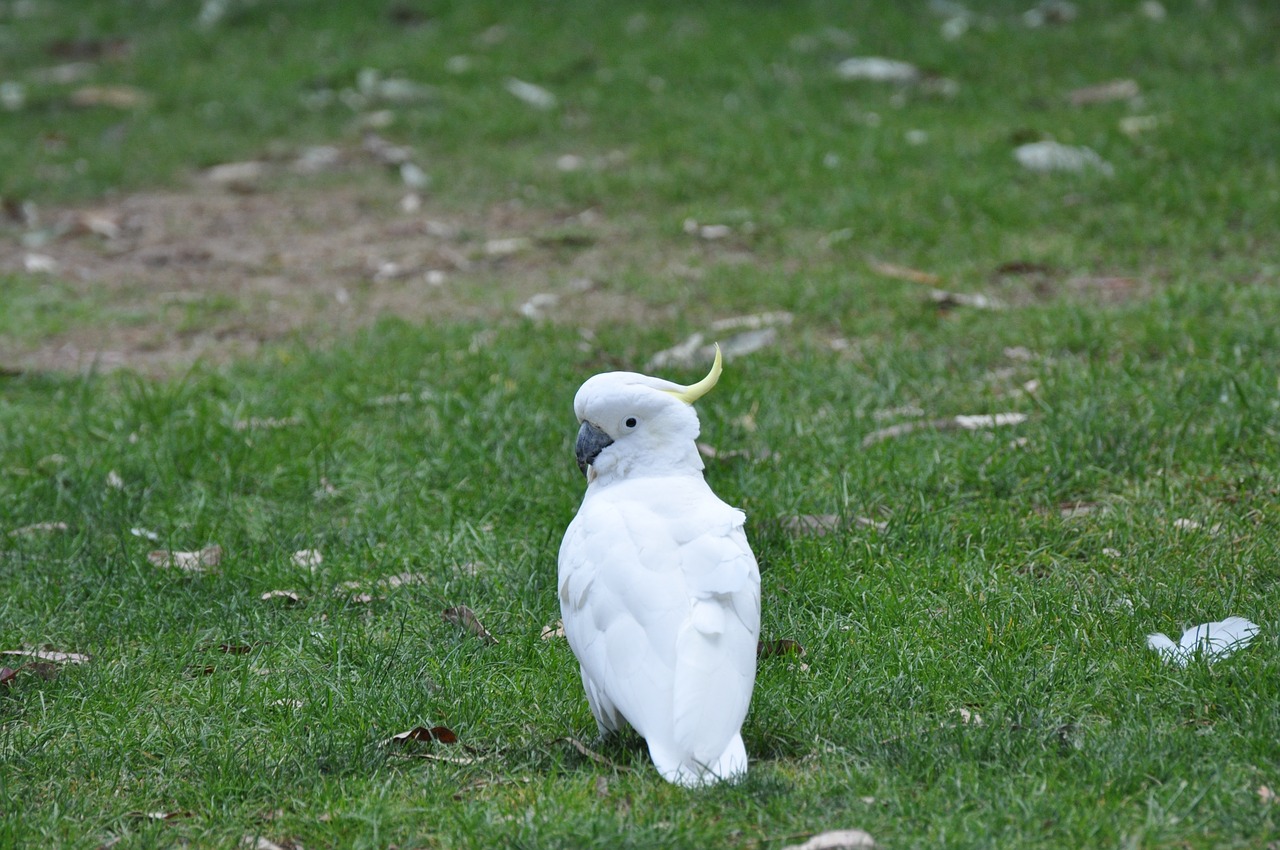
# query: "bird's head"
635, 424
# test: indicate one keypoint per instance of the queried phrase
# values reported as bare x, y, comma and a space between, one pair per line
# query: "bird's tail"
682, 769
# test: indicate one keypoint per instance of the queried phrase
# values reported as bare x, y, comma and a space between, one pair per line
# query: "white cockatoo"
659, 590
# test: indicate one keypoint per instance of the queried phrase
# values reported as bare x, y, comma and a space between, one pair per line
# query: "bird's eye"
631, 422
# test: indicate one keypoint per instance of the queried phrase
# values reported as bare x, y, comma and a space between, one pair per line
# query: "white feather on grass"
1212, 640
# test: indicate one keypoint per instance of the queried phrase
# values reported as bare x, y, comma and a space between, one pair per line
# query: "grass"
978, 594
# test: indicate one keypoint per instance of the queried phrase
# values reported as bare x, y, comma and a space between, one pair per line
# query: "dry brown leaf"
116, 97
461, 615
556, 630
97, 223
783, 646
838, 839
7, 674
47, 654
288, 597
904, 273
441, 734
192, 562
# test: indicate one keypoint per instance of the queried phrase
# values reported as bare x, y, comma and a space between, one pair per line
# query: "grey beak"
591, 441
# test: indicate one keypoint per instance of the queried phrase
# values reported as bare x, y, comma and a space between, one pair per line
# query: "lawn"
387, 444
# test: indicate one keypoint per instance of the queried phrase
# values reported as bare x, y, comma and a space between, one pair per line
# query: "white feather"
1212, 640
659, 590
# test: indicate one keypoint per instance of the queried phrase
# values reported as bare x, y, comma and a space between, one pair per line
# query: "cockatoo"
659, 590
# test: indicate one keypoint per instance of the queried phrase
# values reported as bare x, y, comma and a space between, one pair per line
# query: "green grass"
978, 593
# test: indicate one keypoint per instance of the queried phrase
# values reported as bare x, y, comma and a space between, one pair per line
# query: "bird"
659, 589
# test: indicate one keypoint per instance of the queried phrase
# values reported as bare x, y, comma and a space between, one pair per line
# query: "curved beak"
591, 441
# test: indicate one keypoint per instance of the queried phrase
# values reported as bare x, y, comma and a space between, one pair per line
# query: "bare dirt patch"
211, 273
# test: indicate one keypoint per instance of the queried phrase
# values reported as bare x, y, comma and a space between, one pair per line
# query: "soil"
217, 271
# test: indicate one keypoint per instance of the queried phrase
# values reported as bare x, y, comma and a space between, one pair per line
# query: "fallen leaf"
1050, 12
115, 97
989, 420
1104, 92
1183, 524
1136, 125
265, 423
450, 759
309, 558
1051, 156
748, 342
683, 354
709, 232
839, 839
7, 674
50, 655
1266, 795
531, 93
373, 86
287, 703
709, 451
539, 306
967, 717
1073, 509
1212, 640
442, 734
192, 562
162, 816
775, 648
238, 176
593, 755
904, 273
257, 842
976, 300
877, 69
968, 423
555, 630
40, 264
903, 411
195, 671
753, 322
288, 597
817, 525
507, 246
97, 223
403, 578
38, 527
461, 615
